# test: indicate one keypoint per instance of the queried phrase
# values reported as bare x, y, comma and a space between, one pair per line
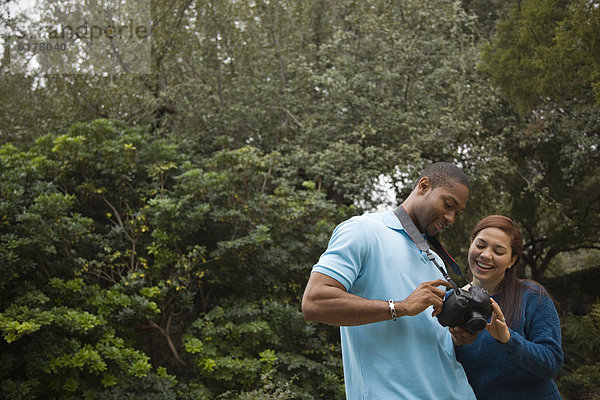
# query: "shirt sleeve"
538, 350
345, 253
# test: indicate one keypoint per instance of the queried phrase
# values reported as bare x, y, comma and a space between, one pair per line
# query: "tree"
57, 330
159, 227
115, 242
552, 145
317, 81
547, 50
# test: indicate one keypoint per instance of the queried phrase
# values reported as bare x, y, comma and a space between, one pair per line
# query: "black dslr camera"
468, 309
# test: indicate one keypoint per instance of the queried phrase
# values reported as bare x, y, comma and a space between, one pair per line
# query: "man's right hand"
326, 300
425, 295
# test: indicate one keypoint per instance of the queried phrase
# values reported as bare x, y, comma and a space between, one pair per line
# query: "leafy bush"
122, 256
581, 343
584, 383
244, 347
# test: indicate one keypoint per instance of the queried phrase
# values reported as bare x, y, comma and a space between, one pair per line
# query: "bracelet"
392, 309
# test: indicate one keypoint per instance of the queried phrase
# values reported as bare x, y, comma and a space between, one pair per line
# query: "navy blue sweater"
523, 367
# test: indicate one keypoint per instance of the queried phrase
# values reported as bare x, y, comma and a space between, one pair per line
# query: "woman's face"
490, 255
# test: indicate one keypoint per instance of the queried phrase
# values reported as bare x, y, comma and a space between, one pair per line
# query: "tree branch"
165, 332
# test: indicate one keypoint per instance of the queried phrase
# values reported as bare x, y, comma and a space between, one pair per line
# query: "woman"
519, 352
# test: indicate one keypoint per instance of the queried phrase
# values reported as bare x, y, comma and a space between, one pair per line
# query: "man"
375, 283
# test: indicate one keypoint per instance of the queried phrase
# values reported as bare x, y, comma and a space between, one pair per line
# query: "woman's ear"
513, 261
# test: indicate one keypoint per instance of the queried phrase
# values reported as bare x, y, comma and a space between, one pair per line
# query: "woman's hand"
461, 337
497, 326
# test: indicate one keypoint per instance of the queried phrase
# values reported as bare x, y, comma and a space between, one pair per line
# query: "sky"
104, 36
14, 8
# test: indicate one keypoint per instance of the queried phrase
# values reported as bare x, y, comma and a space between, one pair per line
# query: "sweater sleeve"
538, 350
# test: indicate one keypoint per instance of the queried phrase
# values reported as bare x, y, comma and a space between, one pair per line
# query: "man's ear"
424, 185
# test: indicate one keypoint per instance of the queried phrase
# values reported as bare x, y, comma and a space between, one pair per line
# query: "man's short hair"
444, 174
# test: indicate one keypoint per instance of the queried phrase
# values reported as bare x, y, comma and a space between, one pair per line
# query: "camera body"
468, 309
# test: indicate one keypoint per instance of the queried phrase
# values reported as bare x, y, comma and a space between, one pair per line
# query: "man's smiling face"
440, 206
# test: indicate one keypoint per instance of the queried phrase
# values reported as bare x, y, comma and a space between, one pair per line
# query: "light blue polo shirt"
412, 357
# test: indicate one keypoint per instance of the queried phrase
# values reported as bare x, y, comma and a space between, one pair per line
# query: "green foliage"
544, 60
269, 391
584, 333
488, 14
150, 386
581, 344
553, 183
576, 291
144, 240
169, 221
245, 346
546, 49
583, 383
515, 59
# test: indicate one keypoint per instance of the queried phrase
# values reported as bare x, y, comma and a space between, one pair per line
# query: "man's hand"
326, 300
425, 295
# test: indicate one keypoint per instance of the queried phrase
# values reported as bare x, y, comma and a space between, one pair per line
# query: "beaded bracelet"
392, 309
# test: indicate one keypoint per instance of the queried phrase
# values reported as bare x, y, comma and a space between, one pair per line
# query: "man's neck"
409, 207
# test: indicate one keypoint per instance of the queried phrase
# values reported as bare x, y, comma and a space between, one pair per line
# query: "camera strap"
422, 244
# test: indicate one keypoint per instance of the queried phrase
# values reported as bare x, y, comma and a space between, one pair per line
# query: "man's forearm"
328, 302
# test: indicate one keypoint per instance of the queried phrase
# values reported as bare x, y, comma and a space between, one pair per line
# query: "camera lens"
475, 321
